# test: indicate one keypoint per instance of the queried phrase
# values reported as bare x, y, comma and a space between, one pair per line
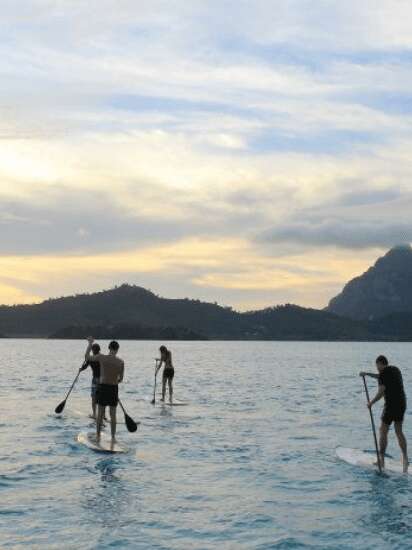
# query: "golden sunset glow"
248, 170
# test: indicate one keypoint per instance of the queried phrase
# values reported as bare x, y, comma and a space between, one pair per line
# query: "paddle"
154, 389
61, 406
130, 423
373, 425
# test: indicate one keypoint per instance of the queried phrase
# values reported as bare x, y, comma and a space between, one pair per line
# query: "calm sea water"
248, 464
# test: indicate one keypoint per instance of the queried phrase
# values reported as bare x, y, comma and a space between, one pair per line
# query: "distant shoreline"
354, 341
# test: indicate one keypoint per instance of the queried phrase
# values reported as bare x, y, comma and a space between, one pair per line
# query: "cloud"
342, 233
230, 271
130, 131
64, 220
369, 196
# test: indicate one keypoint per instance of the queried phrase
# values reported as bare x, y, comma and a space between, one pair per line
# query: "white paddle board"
175, 403
356, 457
105, 444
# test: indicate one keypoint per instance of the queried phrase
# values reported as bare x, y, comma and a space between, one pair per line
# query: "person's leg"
163, 388
113, 422
99, 421
170, 380
94, 405
383, 442
402, 444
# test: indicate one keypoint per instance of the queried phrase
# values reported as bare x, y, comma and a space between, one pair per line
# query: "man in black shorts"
111, 374
391, 388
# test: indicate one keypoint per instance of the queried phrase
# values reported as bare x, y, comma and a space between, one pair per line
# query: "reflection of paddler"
111, 374
95, 366
168, 372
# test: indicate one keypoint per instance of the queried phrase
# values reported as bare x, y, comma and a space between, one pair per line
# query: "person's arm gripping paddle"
381, 389
371, 374
84, 366
380, 393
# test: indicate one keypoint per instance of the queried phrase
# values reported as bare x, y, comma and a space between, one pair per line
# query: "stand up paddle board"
175, 403
356, 457
104, 446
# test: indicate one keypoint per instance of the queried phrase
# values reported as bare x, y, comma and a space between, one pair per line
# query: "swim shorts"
392, 414
107, 395
168, 373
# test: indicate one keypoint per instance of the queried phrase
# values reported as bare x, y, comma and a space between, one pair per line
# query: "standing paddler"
107, 393
95, 366
391, 389
168, 371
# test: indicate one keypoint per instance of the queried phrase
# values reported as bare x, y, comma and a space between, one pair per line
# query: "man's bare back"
111, 369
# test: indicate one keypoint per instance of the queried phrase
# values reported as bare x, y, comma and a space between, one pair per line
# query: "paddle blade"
130, 423
153, 401
60, 407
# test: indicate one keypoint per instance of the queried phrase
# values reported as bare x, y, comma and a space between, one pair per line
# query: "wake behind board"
356, 457
104, 446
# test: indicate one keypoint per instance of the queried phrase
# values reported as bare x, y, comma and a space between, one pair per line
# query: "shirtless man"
391, 388
111, 374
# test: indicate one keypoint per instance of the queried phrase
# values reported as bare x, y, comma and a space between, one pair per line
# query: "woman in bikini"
168, 372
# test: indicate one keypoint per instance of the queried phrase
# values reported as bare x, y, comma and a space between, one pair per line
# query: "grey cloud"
340, 232
65, 221
70, 222
369, 196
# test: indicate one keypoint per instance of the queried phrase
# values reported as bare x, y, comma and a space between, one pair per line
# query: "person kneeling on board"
391, 389
111, 374
95, 366
168, 372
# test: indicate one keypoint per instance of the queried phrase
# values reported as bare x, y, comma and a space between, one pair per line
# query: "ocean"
248, 464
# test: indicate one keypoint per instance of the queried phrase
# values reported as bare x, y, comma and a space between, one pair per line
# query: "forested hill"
124, 304
383, 289
133, 312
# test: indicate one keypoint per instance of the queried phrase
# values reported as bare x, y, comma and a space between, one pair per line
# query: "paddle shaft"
154, 388
72, 386
60, 406
373, 425
121, 406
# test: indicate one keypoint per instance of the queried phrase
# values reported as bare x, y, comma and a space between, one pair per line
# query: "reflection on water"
105, 500
389, 510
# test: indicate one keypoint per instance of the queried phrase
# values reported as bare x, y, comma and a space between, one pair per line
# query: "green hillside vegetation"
131, 312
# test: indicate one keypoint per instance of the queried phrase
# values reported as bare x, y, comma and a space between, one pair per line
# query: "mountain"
132, 312
126, 331
123, 304
372, 307
290, 322
384, 289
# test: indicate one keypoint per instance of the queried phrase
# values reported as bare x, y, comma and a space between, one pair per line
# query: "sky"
248, 153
